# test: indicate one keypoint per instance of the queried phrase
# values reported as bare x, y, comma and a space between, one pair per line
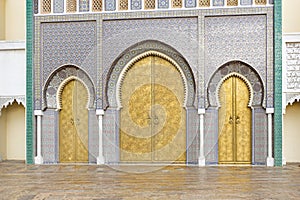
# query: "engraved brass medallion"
73, 123
152, 120
234, 123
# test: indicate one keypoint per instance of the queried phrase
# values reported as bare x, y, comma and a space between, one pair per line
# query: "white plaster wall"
15, 132
291, 134
12, 68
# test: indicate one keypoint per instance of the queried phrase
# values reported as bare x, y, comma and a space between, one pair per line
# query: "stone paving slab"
51, 182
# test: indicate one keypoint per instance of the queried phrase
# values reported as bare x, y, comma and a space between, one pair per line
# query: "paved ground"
20, 181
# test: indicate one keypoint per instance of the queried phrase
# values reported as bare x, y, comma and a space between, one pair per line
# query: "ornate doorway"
73, 123
234, 141
153, 120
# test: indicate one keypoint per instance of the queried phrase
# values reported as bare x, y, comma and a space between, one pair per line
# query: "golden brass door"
234, 123
152, 120
73, 123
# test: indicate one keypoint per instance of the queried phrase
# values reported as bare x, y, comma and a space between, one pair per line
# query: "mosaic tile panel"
93, 137
179, 33
84, 5
49, 136
211, 136
190, 3
58, 6
246, 2
110, 136
110, 5
192, 136
69, 43
163, 4
226, 40
293, 65
260, 138
136, 4
97, 5
218, 2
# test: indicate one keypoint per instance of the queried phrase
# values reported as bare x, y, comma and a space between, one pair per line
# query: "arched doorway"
153, 118
73, 123
234, 142
291, 133
12, 132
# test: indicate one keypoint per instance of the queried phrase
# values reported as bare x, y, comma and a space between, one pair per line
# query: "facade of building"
12, 80
188, 82
291, 81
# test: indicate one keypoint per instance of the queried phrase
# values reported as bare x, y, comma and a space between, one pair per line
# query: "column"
38, 159
100, 158
201, 160
270, 159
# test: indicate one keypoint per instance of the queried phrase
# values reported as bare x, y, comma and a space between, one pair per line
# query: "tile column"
201, 159
100, 158
270, 159
39, 159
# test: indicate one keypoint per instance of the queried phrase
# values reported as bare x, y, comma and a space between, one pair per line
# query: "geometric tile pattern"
110, 5
46, 6
190, 3
218, 2
246, 2
176, 3
226, 40
232, 2
123, 4
192, 136
69, 43
136, 4
97, 5
84, 5
163, 4
58, 6
71, 6
260, 2
260, 137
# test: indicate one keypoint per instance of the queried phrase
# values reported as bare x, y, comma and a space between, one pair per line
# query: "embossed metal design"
234, 123
123, 5
232, 2
176, 3
152, 125
71, 5
73, 124
97, 5
46, 6
149, 4
260, 2
204, 3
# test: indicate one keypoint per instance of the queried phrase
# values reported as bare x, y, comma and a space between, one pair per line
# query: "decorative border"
278, 82
29, 82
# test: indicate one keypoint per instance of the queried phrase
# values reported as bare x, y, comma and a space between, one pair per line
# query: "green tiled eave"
278, 82
29, 82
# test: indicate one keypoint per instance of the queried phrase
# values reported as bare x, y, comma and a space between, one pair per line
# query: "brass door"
73, 124
234, 122
152, 115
